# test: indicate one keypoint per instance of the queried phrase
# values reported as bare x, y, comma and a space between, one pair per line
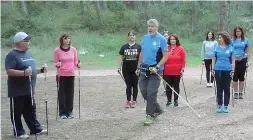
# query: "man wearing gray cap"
22, 73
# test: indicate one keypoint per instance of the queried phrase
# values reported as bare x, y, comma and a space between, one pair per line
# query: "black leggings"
208, 65
173, 81
240, 69
66, 94
131, 84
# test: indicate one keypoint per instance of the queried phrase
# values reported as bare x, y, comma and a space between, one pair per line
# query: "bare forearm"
213, 62
233, 63
139, 61
15, 73
121, 61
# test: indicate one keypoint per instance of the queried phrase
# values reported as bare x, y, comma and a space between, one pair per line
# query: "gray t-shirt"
20, 60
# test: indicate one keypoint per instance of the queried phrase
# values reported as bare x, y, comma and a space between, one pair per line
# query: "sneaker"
128, 104
240, 96
70, 116
211, 84
168, 103
225, 109
63, 117
219, 109
133, 104
149, 120
25, 136
236, 96
176, 103
43, 131
207, 84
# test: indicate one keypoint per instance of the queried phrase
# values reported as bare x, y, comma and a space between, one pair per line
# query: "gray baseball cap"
20, 36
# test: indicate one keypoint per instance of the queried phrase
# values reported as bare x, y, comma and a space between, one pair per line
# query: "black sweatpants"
66, 94
173, 81
223, 81
22, 105
208, 65
131, 84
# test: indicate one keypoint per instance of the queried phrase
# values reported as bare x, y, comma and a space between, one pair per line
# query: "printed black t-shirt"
131, 56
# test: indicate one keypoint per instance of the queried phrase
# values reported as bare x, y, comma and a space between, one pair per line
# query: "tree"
222, 16
84, 9
100, 24
24, 7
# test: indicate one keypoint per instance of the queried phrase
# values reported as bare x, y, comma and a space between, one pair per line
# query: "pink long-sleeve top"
69, 61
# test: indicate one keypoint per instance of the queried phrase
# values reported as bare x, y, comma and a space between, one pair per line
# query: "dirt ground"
103, 116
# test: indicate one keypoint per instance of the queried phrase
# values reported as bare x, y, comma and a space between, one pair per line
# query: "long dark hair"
177, 40
212, 35
240, 28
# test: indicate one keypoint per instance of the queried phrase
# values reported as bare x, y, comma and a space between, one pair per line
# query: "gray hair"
153, 21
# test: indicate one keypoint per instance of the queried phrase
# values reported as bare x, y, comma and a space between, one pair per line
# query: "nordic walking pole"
245, 79
79, 89
58, 84
45, 66
122, 76
184, 89
177, 94
215, 91
232, 92
30, 81
201, 74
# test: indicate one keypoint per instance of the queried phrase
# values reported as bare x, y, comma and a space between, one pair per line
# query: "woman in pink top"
66, 62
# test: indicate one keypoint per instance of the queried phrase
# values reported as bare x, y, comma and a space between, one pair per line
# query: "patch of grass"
95, 45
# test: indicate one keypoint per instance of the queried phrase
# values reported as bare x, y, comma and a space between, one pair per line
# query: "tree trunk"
100, 24
222, 15
194, 17
24, 7
84, 9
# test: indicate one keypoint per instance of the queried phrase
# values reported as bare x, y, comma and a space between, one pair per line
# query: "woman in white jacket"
207, 52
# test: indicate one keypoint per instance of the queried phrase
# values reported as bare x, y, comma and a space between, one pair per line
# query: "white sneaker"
207, 84
211, 84
43, 131
25, 136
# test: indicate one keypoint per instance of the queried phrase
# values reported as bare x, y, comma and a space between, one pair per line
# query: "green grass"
108, 45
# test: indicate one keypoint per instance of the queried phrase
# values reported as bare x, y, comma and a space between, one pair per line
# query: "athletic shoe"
240, 96
149, 120
236, 96
211, 84
128, 104
43, 131
176, 103
133, 104
70, 116
63, 117
225, 109
219, 109
25, 136
207, 84
168, 103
